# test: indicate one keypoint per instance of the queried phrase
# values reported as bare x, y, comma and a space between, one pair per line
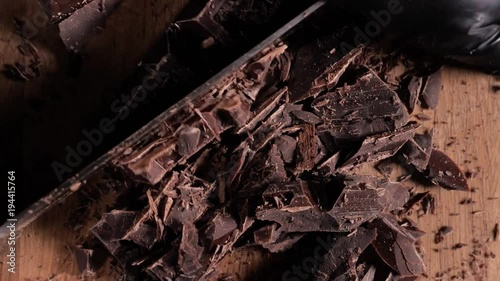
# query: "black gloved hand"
464, 31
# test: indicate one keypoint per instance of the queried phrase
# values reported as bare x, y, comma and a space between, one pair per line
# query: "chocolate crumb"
495, 232
458, 246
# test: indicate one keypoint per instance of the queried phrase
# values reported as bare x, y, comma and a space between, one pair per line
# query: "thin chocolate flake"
441, 233
307, 117
432, 89
443, 171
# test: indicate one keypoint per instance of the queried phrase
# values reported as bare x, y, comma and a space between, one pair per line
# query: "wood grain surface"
466, 126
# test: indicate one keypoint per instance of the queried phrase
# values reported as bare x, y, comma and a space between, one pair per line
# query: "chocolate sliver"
444, 172
307, 117
432, 89
396, 246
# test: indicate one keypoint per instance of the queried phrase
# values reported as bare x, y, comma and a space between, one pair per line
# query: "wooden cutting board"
466, 127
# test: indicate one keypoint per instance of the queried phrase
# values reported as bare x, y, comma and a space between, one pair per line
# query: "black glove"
464, 31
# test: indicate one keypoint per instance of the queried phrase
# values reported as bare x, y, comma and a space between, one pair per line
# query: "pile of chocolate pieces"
263, 161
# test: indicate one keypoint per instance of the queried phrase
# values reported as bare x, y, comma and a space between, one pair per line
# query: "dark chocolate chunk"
220, 228
83, 259
84, 22
112, 227
443, 171
287, 146
396, 246
189, 138
365, 197
417, 151
328, 80
379, 147
356, 111
344, 249
414, 89
432, 89
190, 252
165, 267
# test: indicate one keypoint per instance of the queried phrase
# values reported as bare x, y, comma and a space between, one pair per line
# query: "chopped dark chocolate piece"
83, 261
441, 233
329, 79
417, 151
344, 249
287, 146
190, 251
329, 166
414, 88
220, 228
379, 147
364, 197
112, 227
165, 267
432, 89
84, 22
443, 171
396, 246
189, 138
356, 111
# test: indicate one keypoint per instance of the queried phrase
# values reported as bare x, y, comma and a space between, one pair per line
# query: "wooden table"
466, 127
